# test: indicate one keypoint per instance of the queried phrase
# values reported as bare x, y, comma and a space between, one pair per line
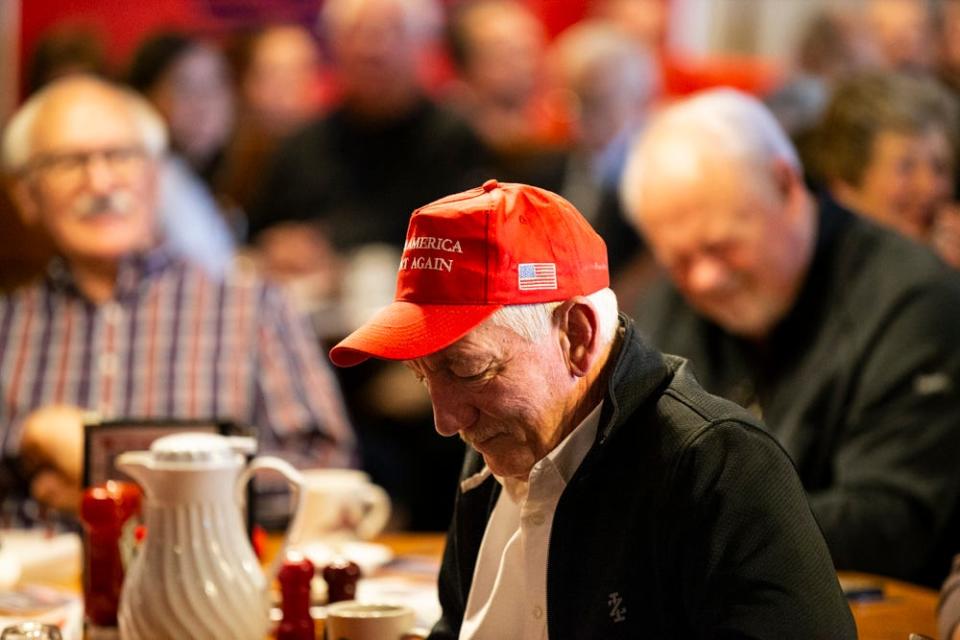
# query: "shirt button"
108, 364
111, 312
537, 613
537, 518
490, 185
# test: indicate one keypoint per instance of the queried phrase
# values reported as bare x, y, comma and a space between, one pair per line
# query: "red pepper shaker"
294, 577
103, 566
109, 513
341, 577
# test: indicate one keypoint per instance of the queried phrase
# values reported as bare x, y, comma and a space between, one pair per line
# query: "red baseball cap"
471, 253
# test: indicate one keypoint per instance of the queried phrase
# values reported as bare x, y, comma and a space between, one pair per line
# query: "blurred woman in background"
188, 81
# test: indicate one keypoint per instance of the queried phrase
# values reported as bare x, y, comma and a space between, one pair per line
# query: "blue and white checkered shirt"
173, 343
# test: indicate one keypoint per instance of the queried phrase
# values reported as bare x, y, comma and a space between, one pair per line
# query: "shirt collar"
134, 269
566, 456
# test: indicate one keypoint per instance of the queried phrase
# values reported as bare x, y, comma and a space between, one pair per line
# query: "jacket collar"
638, 371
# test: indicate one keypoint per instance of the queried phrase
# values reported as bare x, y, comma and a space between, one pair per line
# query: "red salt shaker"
294, 578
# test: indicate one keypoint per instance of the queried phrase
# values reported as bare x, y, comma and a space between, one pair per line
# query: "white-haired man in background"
604, 494
844, 336
120, 327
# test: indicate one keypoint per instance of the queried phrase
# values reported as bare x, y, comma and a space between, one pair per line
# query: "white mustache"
117, 203
479, 437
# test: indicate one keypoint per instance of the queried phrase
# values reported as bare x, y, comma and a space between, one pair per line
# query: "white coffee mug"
338, 505
352, 620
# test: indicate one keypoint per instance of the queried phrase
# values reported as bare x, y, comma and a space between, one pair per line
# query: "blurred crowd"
299, 151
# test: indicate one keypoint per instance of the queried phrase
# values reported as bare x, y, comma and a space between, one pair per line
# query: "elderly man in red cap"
604, 493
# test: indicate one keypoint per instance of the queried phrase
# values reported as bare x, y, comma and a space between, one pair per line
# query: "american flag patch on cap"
532, 276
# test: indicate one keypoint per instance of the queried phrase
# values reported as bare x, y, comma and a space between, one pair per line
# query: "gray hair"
423, 18
727, 121
533, 321
17, 144
600, 44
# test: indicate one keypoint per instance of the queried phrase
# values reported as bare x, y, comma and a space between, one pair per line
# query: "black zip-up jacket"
859, 383
685, 520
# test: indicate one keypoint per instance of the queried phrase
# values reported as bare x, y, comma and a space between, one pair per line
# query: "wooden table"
903, 609
402, 544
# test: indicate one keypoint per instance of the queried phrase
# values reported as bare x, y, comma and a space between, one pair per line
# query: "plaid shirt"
173, 343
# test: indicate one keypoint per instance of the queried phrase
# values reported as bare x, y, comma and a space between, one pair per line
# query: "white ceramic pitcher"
195, 575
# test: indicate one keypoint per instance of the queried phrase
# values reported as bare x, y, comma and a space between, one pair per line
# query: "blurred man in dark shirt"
385, 150
843, 335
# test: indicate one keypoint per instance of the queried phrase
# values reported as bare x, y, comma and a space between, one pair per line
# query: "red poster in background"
557, 15
122, 24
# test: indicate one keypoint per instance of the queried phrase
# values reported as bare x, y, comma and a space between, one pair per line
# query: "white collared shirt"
508, 595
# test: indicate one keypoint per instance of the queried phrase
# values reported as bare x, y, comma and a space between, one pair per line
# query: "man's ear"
786, 178
578, 323
23, 194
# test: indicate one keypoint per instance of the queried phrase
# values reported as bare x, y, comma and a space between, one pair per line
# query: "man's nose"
451, 412
99, 174
705, 275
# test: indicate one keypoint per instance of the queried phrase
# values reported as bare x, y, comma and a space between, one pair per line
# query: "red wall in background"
557, 15
124, 23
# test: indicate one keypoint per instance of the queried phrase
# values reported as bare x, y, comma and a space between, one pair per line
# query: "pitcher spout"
138, 465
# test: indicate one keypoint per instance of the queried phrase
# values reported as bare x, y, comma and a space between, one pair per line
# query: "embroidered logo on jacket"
617, 611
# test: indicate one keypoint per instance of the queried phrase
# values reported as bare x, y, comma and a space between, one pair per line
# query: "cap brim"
406, 330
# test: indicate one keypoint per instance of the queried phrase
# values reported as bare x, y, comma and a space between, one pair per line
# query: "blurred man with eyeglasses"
122, 328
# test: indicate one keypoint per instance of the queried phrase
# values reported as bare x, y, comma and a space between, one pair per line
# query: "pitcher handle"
374, 521
295, 479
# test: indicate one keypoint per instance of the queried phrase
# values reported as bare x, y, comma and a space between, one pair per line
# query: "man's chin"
508, 471
747, 330
102, 255
507, 467
109, 240
738, 322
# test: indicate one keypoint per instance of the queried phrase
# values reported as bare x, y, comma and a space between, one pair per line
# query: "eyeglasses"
70, 168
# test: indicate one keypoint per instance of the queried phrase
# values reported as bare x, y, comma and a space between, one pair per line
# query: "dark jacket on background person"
859, 385
360, 181
685, 520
